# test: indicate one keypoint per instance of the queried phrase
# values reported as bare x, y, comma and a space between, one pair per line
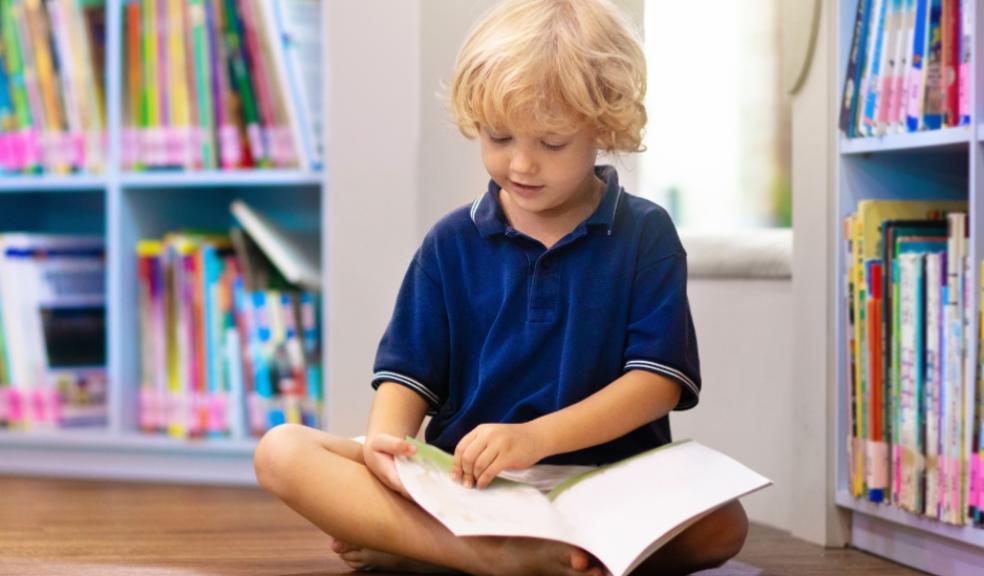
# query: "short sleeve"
660, 336
414, 349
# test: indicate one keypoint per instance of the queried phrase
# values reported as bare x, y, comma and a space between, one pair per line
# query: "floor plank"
55, 527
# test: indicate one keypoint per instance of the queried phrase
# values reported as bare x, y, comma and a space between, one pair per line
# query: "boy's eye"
554, 147
500, 139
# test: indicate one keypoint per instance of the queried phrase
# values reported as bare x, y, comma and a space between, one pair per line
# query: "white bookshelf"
125, 207
944, 164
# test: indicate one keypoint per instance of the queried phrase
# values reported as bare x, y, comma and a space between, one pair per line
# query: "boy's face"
543, 174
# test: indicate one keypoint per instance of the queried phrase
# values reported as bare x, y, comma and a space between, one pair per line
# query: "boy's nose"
522, 163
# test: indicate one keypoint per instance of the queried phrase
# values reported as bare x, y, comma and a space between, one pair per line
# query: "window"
719, 122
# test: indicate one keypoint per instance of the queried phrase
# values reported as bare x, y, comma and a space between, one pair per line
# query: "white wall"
371, 152
745, 338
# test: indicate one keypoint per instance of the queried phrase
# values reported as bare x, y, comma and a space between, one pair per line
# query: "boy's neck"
549, 227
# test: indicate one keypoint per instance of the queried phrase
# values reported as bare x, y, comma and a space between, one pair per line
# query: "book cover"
295, 254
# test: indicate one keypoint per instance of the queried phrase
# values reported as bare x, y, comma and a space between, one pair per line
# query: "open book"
621, 513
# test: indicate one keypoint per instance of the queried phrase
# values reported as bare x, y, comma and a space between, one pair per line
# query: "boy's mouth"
524, 189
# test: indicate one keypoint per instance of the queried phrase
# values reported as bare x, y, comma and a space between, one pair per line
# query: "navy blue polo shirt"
490, 326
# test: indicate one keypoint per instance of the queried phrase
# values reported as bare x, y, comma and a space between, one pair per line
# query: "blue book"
917, 76
933, 103
855, 68
874, 71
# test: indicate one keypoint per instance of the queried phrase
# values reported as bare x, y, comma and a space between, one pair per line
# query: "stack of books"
221, 84
52, 331
909, 68
229, 345
912, 443
52, 99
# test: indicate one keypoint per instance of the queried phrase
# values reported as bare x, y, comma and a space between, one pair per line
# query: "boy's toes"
355, 559
584, 563
579, 560
339, 547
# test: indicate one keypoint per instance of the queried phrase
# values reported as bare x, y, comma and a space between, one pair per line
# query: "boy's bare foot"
534, 556
364, 559
499, 556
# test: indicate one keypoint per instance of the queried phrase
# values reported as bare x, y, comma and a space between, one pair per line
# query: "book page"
504, 508
623, 512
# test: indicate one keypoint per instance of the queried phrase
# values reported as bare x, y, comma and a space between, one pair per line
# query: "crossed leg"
323, 478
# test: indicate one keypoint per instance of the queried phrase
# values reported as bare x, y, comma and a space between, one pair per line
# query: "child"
545, 327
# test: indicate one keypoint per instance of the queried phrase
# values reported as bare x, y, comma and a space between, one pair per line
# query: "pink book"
217, 411
896, 473
6, 152
972, 482
76, 151
15, 407
17, 151
145, 410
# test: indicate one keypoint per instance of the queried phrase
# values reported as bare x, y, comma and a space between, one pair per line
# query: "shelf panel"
945, 138
98, 439
98, 454
965, 534
220, 179
48, 183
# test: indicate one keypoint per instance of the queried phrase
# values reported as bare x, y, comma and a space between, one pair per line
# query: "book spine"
886, 96
934, 279
903, 54
950, 61
874, 73
855, 63
260, 78
933, 108
966, 58
917, 74
239, 74
203, 76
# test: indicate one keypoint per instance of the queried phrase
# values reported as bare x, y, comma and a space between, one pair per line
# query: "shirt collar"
490, 219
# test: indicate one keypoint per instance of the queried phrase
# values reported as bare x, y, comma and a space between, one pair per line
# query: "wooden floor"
83, 528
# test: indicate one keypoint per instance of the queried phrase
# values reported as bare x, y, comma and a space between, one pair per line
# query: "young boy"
545, 327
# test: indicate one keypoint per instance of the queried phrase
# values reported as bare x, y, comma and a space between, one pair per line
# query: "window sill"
763, 253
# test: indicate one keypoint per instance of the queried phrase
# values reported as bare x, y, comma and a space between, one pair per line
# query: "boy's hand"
379, 452
492, 448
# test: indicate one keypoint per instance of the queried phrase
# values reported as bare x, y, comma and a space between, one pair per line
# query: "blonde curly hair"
564, 63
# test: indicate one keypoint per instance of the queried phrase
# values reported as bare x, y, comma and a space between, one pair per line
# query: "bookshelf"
943, 164
124, 207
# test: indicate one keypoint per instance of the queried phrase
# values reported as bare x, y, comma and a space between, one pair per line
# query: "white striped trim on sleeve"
667, 371
409, 382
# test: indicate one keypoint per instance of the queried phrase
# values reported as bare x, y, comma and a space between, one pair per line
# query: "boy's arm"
638, 397
396, 413
396, 410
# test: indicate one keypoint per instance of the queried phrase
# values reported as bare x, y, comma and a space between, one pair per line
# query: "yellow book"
49, 84
178, 77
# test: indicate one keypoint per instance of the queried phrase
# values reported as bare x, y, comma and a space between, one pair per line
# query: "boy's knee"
275, 456
729, 534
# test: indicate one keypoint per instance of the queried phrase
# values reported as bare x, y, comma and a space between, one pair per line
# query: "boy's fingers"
468, 459
459, 450
392, 445
488, 473
482, 463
